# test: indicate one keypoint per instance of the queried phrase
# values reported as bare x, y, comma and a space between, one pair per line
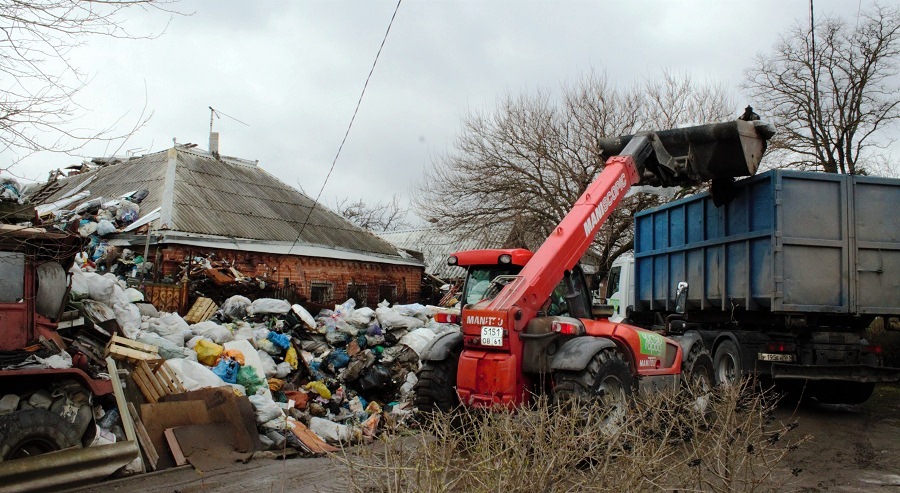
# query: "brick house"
202, 204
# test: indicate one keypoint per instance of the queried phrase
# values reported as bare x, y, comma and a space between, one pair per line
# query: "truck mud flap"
852, 373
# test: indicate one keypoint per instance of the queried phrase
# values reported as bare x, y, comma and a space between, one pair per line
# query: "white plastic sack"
235, 307
242, 331
412, 310
304, 315
266, 408
80, 286
268, 364
105, 227
263, 306
171, 333
361, 317
418, 339
87, 229
329, 431
217, 333
193, 375
129, 319
99, 288
283, 369
390, 319
134, 295
166, 348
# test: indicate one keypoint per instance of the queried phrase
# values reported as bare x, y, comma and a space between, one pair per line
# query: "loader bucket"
687, 156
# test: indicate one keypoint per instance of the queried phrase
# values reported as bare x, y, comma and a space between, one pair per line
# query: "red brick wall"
303, 271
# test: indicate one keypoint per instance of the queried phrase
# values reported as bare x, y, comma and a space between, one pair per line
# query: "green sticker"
651, 344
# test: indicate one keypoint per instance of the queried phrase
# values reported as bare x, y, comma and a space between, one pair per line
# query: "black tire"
842, 392
606, 373
727, 365
436, 388
33, 432
698, 369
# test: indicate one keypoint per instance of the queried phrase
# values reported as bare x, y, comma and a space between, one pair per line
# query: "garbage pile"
10, 190
344, 373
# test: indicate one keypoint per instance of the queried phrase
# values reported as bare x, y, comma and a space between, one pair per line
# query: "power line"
344, 140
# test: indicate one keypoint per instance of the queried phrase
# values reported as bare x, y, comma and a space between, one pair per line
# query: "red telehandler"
528, 323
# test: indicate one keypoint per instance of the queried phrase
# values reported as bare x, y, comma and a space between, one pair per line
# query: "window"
12, 277
359, 293
321, 292
613, 284
387, 292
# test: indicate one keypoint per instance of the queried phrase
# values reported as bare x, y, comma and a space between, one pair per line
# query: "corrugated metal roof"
436, 246
228, 198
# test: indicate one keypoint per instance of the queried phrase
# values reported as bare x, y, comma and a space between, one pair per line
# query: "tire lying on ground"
31, 432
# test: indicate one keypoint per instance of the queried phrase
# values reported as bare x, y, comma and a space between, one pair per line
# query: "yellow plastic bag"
291, 357
276, 384
208, 352
319, 388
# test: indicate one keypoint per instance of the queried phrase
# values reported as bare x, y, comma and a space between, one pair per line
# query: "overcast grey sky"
293, 71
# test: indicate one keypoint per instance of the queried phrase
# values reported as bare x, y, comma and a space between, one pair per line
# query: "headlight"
505, 258
452, 260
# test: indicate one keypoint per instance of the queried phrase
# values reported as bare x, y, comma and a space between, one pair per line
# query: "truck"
48, 431
528, 326
781, 282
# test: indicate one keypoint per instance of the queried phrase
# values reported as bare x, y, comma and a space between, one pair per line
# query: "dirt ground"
851, 449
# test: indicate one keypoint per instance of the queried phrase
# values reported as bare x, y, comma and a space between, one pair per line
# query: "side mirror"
681, 297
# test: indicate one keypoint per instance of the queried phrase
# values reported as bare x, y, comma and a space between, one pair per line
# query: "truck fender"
576, 353
441, 346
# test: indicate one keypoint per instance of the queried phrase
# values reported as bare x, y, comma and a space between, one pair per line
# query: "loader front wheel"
436, 388
606, 378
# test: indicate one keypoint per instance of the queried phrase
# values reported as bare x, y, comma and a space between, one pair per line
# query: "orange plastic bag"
235, 355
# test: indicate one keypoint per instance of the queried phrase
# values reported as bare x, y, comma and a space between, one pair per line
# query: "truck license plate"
491, 336
780, 358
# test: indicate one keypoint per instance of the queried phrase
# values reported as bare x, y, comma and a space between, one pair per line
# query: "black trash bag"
375, 377
140, 195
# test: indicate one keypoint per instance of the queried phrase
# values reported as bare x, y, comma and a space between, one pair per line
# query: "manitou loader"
528, 324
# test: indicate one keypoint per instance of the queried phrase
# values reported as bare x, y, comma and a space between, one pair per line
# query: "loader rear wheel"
436, 388
727, 364
606, 378
31, 432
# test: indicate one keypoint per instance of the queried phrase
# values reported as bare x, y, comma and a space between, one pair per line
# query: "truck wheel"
606, 378
32, 432
727, 364
436, 388
698, 369
843, 392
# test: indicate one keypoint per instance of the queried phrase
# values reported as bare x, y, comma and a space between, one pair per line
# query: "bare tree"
378, 217
831, 91
523, 164
37, 82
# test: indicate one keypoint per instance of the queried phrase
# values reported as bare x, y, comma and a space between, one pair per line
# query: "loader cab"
486, 271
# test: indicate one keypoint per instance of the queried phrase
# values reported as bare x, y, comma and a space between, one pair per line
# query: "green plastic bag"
250, 380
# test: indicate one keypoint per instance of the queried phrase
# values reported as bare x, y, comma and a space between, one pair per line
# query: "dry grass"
662, 444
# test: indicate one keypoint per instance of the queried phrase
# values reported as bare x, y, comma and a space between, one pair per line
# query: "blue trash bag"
227, 370
280, 340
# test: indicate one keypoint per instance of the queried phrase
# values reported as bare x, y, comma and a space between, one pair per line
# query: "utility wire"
344, 140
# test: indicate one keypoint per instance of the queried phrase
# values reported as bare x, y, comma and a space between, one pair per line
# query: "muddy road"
850, 449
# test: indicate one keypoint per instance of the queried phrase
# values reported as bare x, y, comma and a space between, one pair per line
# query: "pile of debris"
313, 382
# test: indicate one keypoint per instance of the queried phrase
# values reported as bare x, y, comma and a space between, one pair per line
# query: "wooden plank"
203, 310
128, 353
141, 381
124, 341
127, 424
172, 441
310, 440
151, 377
160, 416
144, 438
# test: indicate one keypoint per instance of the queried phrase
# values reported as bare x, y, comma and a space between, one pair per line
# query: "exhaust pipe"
690, 155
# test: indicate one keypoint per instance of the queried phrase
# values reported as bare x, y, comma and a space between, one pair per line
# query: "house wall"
310, 275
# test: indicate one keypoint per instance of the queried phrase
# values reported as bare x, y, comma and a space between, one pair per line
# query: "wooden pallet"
203, 310
155, 380
123, 348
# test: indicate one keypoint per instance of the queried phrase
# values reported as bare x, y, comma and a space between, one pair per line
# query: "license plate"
491, 336
780, 358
